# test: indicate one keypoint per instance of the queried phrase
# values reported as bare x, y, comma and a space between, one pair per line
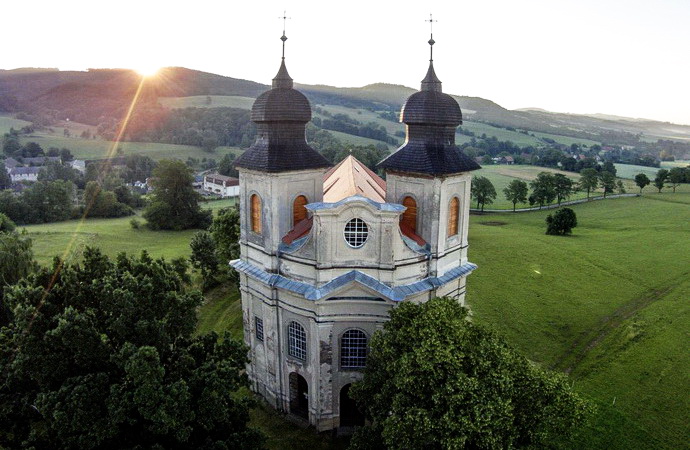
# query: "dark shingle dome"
282, 103
281, 115
431, 118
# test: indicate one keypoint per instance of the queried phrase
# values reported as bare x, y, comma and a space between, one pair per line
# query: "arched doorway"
350, 416
299, 396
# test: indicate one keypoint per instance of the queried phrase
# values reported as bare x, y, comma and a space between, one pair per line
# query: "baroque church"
326, 251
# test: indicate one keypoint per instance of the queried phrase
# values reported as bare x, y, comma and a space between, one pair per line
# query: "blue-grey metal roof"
356, 198
311, 292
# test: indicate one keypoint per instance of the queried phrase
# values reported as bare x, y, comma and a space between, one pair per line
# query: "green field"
608, 304
7, 122
68, 239
566, 140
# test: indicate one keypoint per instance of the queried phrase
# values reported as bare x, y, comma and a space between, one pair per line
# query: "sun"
147, 70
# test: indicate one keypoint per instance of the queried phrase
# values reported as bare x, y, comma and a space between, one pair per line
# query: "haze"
616, 57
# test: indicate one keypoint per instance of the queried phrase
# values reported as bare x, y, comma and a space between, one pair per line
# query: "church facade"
326, 251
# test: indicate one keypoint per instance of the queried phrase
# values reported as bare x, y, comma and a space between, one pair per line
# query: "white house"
221, 185
325, 253
24, 174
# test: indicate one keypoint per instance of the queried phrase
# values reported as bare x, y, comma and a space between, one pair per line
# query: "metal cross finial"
431, 41
283, 37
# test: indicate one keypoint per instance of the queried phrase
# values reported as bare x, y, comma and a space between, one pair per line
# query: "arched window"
453, 216
299, 212
409, 217
353, 349
297, 341
255, 213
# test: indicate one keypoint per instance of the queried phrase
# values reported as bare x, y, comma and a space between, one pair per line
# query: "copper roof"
351, 177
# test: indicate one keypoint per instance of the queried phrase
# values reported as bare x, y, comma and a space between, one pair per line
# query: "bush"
135, 223
561, 222
6, 224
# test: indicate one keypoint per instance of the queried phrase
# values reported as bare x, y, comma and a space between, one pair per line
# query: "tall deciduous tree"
676, 176
5, 179
436, 380
589, 180
16, 262
516, 192
174, 204
607, 181
562, 186
543, 189
225, 230
561, 222
483, 191
106, 357
660, 179
204, 256
641, 180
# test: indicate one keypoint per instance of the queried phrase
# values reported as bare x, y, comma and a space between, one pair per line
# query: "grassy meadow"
69, 239
607, 305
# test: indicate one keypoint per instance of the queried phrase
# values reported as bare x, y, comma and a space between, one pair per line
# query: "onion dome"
281, 115
431, 118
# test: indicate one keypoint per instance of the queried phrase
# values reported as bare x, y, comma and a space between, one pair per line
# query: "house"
78, 164
221, 185
24, 174
504, 160
326, 252
11, 163
41, 160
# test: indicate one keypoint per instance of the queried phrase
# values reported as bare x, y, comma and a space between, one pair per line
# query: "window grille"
353, 349
453, 213
409, 217
297, 341
259, 327
356, 233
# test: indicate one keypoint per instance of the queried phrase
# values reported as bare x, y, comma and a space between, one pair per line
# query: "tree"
641, 180
660, 179
174, 204
543, 189
6, 224
563, 187
225, 167
101, 203
225, 230
55, 171
204, 256
589, 180
676, 176
434, 379
5, 179
48, 201
16, 262
561, 222
620, 186
516, 192
32, 150
609, 167
103, 355
483, 191
608, 182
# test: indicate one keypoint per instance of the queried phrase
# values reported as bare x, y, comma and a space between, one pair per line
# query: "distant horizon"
622, 117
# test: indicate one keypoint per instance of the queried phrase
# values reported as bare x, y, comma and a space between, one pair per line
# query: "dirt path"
579, 350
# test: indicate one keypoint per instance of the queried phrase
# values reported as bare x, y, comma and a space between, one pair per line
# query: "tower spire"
431, 81
283, 37
282, 79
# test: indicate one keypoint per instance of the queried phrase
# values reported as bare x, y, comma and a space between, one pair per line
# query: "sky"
622, 57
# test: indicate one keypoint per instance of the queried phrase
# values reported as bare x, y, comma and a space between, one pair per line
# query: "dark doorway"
350, 416
299, 396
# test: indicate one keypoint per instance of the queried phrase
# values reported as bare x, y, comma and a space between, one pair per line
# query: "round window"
356, 233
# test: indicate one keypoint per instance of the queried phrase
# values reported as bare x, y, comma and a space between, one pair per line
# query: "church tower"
430, 176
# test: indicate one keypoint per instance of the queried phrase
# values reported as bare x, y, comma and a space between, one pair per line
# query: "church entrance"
350, 416
299, 396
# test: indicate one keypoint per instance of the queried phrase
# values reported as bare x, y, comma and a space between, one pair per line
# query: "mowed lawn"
69, 239
609, 305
